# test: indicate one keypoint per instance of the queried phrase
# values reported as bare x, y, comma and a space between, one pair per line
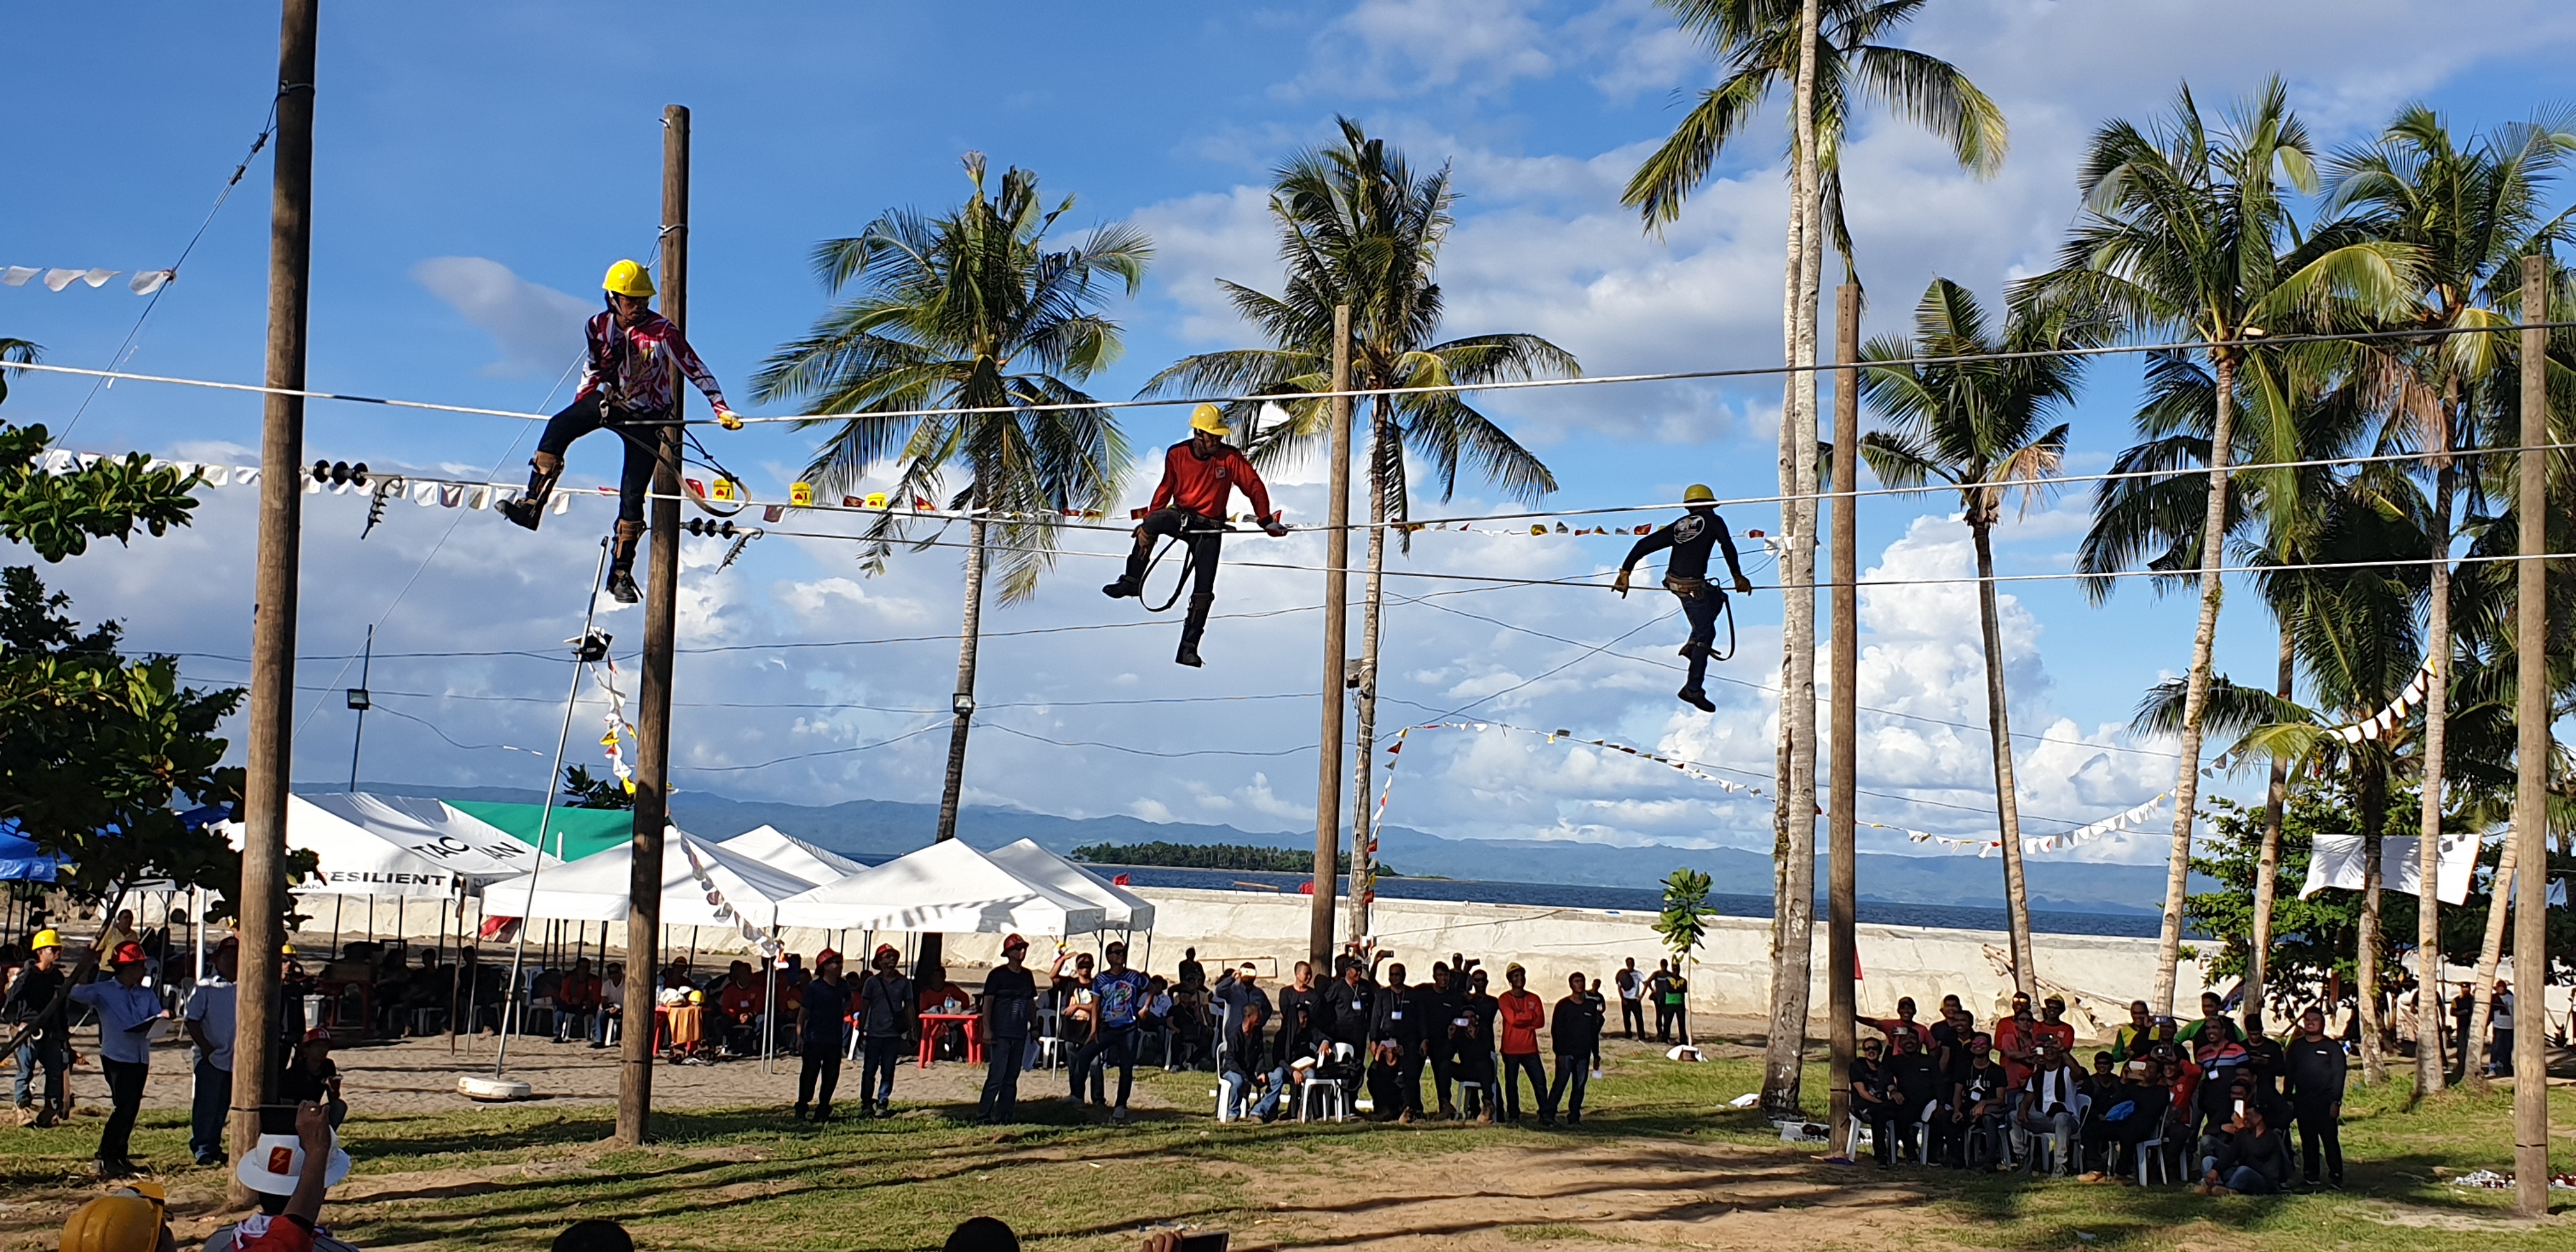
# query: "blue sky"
478, 166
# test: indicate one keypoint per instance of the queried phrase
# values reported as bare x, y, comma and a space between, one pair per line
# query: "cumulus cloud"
536, 328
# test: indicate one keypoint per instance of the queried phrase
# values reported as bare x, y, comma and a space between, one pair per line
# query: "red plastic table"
933, 1024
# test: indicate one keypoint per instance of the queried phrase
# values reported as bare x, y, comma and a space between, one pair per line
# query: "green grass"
746, 1179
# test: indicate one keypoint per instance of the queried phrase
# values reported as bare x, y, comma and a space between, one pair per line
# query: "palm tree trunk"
2490, 954
1363, 835
969, 633
1792, 964
2267, 866
2365, 953
2204, 640
2428, 863
2007, 801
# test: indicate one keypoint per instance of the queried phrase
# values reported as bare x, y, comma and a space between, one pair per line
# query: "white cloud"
1395, 48
536, 328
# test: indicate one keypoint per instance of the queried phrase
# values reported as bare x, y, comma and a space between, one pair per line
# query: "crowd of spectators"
2211, 1099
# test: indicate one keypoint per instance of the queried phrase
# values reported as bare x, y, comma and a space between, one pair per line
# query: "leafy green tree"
584, 791
969, 310
1359, 227
2187, 234
1979, 427
1683, 924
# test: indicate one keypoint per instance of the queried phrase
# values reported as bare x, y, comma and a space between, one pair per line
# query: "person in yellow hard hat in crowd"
1686, 575
35, 1003
629, 384
132, 1218
1199, 476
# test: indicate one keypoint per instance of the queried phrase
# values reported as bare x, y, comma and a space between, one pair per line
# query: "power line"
1761, 371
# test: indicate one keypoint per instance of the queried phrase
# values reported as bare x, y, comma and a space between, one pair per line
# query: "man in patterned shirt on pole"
629, 384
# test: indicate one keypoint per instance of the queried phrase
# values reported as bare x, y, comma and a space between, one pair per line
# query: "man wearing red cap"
822, 1036
887, 1015
1010, 1007
127, 1010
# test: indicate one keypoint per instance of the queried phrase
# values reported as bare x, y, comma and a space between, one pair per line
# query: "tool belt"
1691, 586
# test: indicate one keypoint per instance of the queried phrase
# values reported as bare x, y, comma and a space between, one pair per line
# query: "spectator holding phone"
127, 1011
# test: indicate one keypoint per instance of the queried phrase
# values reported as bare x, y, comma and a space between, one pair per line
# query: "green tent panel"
571, 833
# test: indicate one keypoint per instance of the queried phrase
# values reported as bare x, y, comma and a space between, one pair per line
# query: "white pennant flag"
218, 476
245, 474
146, 282
17, 275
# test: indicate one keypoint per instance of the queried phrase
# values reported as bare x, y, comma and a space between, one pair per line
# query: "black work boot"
1123, 587
621, 563
1191, 629
527, 510
1132, 582
1696, 698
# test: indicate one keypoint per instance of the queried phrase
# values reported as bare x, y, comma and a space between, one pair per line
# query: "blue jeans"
1116, 1045
55, 1055
1237, 1087
206, 1112
1003, 1058
2241, 1179
1700, 606
877, 1059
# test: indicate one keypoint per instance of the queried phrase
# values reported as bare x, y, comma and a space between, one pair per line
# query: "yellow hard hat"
626, 278
1211, 419
46, 938
1698, 493
697, 997
124, 1220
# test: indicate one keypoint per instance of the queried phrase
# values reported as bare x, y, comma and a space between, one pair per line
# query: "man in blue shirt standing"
210, 1027
1120, 993
127, 1011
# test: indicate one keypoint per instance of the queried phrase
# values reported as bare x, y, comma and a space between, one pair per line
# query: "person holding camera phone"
127, 1013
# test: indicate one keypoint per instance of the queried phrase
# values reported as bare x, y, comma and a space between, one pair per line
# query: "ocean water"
1637, 899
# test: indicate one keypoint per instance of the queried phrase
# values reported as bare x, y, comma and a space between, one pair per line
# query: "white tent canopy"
945, 887
791, 855
596, 887
2336, 861
1120, 909
396, 846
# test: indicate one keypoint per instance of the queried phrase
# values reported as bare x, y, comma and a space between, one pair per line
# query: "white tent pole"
769, 1003
545, 818
199, 975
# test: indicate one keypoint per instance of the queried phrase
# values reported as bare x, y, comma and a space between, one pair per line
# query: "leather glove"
1620, 584
1743, 585
1275, 528
728, 419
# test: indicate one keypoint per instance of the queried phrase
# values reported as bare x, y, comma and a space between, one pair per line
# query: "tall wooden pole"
1842, 939
262, 897
2531, 760
653, 701
1337, 599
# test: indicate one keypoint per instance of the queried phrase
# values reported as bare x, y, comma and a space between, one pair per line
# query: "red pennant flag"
696, 488
1120, 881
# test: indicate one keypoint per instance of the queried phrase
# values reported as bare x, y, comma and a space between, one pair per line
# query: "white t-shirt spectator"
612, 992
1632, 984
211, 1005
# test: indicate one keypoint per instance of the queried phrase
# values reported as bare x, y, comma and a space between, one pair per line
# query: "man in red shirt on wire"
629, 384
1189, 505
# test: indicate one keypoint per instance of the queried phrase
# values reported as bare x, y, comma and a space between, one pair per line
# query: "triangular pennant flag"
17, 275
145, 282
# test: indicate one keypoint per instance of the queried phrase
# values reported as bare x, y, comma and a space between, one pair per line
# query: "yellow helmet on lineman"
626, 278
1698, 493
1211, 419
127, 1219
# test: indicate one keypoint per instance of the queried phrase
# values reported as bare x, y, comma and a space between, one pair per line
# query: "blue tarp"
20, 861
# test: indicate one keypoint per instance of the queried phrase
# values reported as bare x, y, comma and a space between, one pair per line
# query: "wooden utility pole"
1842, 940
653, 700
1337, 598
262, 899
2531, 758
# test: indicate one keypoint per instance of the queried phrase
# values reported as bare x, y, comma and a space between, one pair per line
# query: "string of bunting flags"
2128, 819
2383, 724
144, 282
768, 944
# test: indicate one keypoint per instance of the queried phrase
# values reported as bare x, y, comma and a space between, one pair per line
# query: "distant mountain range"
875, 829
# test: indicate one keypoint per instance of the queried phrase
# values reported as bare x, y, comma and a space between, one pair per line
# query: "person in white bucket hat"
288, 1174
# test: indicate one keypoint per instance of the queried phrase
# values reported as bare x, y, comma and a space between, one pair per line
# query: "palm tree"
2181, 238
969, 310
1823, 50
2470, 215
15, 351
1980, 427
1358, 227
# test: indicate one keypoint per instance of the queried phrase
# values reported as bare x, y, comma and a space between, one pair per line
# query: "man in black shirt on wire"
1686, 576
